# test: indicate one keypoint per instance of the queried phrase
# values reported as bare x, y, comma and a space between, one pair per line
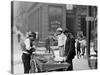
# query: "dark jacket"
70, 49
67, 46
78, 46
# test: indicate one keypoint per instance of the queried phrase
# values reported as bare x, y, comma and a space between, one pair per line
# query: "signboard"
54, 25
55, 17
69, 7
90, 18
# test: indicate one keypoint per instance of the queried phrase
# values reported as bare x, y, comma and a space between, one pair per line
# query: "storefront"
42, 18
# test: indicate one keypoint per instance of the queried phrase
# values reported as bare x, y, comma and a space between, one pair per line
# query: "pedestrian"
95, 49
37, 39
70, 50
61, 38
49, 42
83, 45
78, 47
27, 49
19, 36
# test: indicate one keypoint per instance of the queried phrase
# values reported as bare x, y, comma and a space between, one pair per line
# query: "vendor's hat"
59, 29
31, 34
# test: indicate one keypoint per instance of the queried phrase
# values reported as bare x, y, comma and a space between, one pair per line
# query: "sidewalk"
80, 64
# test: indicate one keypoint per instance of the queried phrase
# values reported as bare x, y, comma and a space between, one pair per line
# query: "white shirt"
83, 42
61, 39
27, 44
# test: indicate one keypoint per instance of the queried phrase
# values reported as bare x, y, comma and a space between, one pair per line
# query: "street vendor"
28, 47
61, 38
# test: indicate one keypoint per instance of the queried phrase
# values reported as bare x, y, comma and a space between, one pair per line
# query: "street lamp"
88, 19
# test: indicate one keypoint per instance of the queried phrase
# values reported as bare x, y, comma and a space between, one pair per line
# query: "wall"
32, 16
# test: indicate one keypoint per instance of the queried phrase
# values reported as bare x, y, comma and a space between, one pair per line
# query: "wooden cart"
45, 63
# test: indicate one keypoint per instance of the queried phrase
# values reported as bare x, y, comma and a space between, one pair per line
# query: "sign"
90, 18
69, 7
55, 24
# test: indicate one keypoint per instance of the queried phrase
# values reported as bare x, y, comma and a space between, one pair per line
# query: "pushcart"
45, 63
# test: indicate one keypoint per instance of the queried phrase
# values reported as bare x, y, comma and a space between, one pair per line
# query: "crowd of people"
68, 45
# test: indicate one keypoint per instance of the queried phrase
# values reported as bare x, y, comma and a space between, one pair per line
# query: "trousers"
61, 51
26, 62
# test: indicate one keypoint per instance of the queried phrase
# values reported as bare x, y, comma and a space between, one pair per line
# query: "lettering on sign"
89, 18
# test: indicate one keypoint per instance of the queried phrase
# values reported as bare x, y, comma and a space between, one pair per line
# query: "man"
49, 42
61, 38
27, 48
70, 50
19, 36
78, 49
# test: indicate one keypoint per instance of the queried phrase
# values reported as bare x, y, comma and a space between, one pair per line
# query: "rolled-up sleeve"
27, 43
64, 39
